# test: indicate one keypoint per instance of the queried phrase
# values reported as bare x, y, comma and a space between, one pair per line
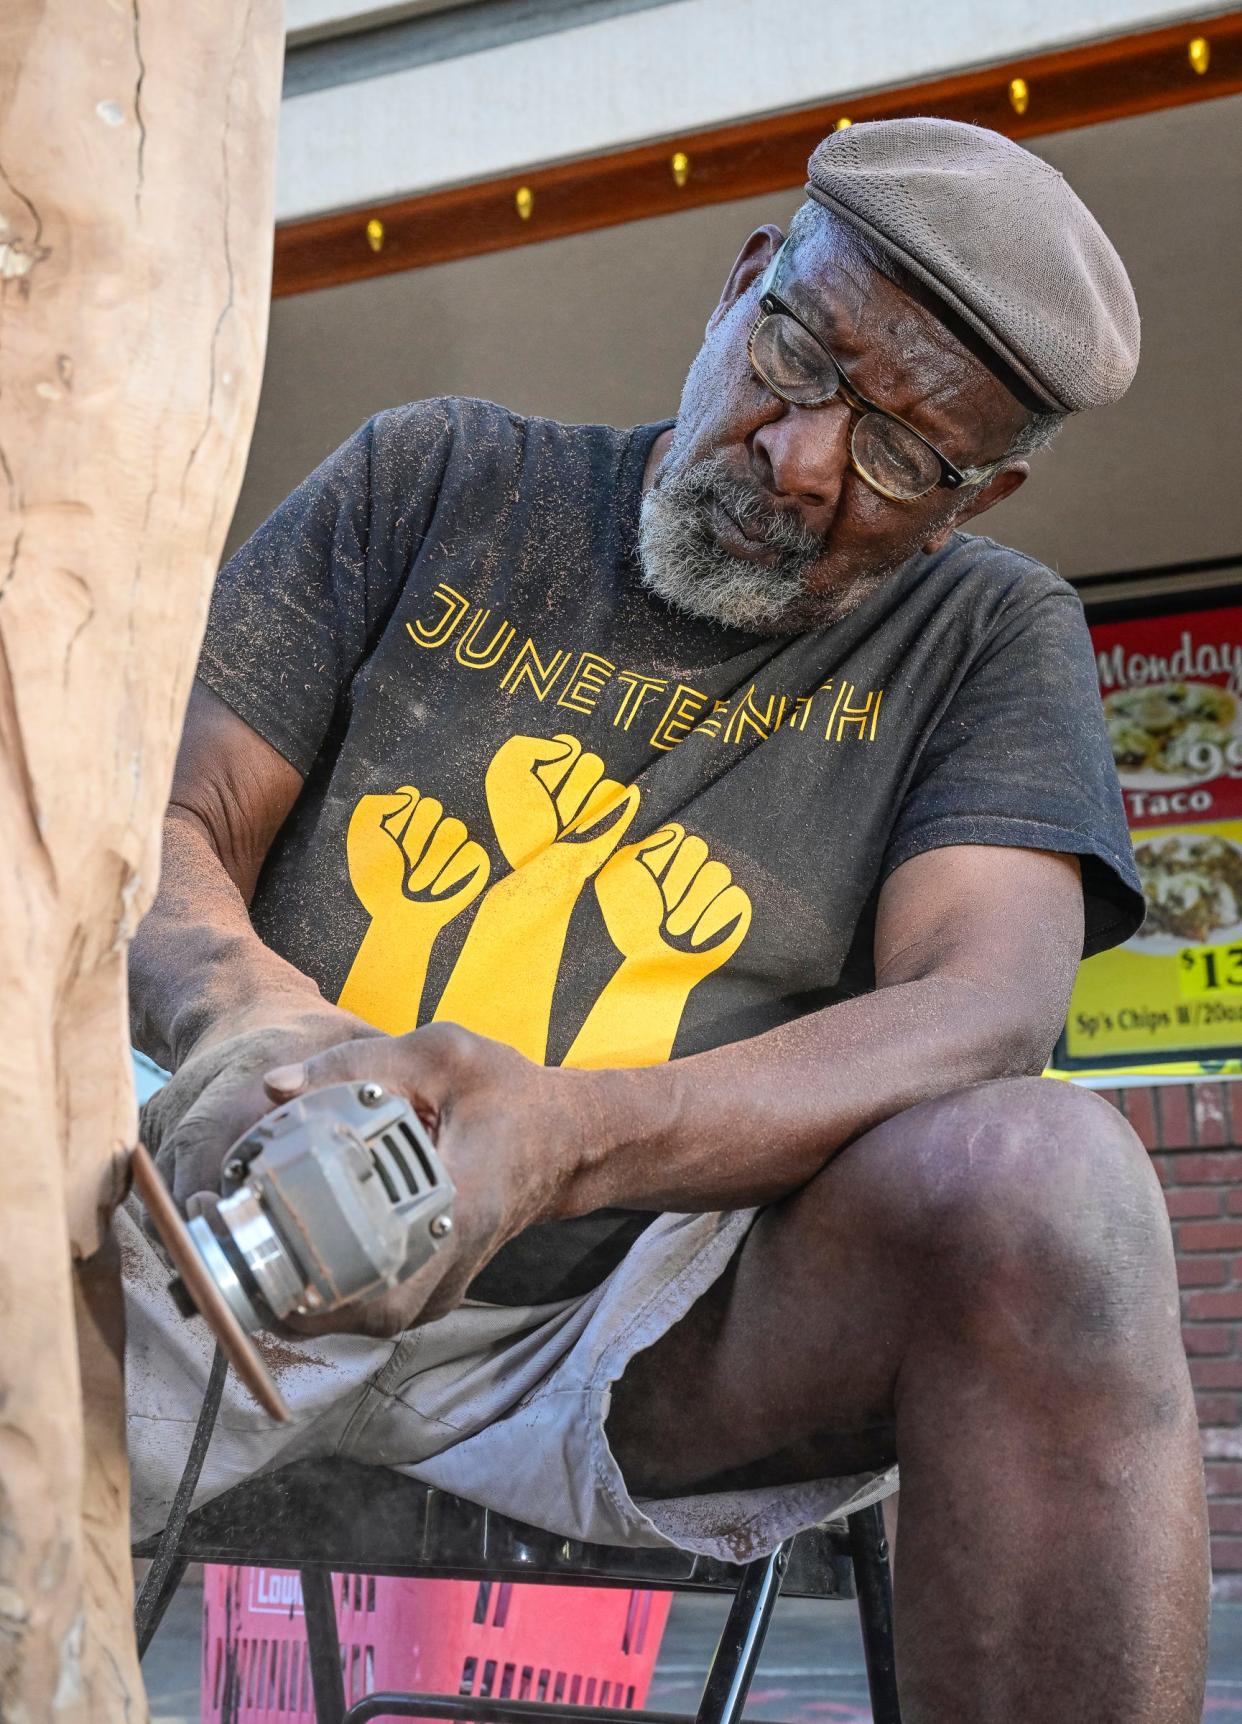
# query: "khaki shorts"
505, 1406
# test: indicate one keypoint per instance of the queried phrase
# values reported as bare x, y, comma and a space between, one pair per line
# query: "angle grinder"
333, 1197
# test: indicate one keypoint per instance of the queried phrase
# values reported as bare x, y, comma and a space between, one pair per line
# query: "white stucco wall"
313, 20
601, 326
640, 75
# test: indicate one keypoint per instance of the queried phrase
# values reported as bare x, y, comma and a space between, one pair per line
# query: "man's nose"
803, 453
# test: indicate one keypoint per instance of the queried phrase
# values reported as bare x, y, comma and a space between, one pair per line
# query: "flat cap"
1001, 238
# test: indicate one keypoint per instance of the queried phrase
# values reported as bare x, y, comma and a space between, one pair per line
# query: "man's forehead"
998, 236
837, 279
834, 278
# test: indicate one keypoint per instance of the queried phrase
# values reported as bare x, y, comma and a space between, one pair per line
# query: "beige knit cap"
1001, 238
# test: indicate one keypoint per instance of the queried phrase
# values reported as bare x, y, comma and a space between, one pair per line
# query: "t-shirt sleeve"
1021, 756
293, 612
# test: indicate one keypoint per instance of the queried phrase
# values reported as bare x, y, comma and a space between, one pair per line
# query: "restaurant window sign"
1172, 693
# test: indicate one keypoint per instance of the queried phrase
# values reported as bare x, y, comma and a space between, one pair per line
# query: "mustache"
711, 484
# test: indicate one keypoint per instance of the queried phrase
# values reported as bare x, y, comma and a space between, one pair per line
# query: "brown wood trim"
1078, 86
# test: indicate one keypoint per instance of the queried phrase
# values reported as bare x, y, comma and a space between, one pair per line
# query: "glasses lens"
895, 457
791, 362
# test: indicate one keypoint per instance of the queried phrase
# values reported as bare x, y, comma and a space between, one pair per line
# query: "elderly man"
733, 823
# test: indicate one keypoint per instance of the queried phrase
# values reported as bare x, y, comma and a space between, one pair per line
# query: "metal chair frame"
306, 1516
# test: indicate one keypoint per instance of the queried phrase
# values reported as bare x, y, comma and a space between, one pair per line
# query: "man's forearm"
745, 1123
196, 959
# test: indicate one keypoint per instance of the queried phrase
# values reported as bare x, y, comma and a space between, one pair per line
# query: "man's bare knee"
1025, 1203
1027, 1206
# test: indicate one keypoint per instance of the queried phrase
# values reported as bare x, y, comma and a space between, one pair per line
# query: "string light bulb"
524, 202
1019, 95
1199, 53
842, 123
680, 165
375, 234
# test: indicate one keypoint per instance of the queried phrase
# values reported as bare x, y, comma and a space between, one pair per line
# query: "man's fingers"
195, 1152
412, 1065
282, 1083
153, 1122
195, 1155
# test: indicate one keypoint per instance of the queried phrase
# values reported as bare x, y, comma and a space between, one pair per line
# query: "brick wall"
1194, 1132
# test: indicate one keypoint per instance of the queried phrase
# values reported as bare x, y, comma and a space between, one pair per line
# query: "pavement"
812, 1665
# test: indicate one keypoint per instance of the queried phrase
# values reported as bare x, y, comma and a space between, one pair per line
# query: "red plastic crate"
590, 1646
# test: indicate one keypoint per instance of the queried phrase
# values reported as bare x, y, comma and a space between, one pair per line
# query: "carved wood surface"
136, 172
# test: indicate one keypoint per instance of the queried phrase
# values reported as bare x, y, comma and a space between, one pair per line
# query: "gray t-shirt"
540, 802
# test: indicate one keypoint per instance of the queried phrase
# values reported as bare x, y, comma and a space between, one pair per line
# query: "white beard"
684, 564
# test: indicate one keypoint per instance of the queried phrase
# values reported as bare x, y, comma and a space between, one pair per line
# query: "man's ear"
752, 260
977, 498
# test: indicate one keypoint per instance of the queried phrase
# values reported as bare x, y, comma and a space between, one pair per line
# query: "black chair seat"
333, 1516
345, 1516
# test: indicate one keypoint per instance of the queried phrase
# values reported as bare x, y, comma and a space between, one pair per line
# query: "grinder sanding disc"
239, 1349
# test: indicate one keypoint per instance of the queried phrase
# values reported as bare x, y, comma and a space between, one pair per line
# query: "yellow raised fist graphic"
402, 849
664, 895
558, 819
541, 792
414, 869
675, 916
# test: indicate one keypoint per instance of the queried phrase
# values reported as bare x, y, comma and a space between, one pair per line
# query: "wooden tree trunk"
136, 167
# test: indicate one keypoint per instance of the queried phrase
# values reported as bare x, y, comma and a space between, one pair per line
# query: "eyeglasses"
892, 457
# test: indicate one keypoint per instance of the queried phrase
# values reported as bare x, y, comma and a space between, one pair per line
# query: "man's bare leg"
983, 1288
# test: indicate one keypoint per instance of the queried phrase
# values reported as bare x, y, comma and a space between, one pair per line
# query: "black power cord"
149, 1605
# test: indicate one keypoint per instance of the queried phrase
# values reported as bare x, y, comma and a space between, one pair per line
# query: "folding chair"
325, 1517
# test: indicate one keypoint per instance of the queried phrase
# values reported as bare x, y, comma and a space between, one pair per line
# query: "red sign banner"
1172, 693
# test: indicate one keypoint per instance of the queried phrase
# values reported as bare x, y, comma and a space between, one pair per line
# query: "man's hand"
217, 1093
502, 1130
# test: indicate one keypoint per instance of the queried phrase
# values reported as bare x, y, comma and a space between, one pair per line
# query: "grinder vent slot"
377, 1161
408, 1133
390, 1143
